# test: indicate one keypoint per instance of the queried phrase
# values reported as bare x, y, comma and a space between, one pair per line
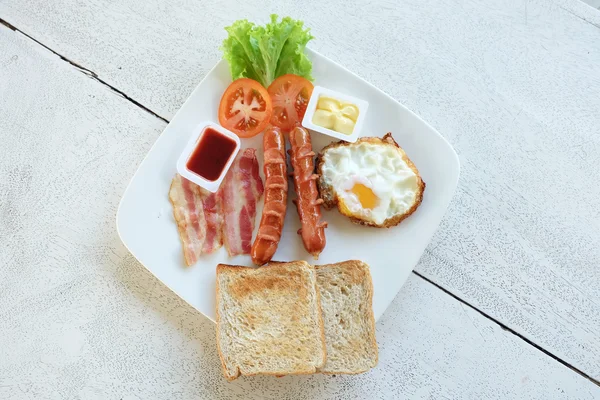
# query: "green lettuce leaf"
264, 53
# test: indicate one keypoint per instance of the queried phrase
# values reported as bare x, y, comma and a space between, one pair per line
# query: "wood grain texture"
593, 3
513, 84
82, 319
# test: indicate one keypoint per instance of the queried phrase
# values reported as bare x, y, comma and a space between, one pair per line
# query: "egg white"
379, 167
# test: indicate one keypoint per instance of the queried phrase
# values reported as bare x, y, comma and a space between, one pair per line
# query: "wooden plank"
81, 318
512, 84
593, 3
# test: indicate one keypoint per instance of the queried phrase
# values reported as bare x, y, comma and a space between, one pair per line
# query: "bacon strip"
189, 215
214, 221
240, 191
205, 220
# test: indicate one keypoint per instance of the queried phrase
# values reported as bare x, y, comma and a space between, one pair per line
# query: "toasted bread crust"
328, 194
252, 285
221, 357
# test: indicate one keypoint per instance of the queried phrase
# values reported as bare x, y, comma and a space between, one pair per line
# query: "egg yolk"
365, 195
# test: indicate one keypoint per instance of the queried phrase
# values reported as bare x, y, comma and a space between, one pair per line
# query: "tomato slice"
245, 108
290, 95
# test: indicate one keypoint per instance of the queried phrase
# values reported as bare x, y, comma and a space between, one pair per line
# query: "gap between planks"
84, 70
508, 329
95, 77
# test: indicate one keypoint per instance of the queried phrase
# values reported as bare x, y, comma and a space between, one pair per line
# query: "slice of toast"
269, 320
346, 293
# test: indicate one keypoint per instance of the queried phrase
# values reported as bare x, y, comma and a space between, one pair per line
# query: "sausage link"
276, 187
307, 202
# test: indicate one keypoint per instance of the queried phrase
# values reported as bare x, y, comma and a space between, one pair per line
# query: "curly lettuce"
264, 53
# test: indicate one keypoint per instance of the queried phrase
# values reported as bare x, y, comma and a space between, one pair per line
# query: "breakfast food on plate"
292, 318
273, 56
371, 181
276, 188
269, 320
213, 216
290, 95
346, 292
241, 189
209, 159
197, 214
334, 114
204, 219
307, 201
264, 53
245, 108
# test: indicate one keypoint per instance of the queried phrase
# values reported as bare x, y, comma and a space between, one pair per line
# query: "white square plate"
145, 219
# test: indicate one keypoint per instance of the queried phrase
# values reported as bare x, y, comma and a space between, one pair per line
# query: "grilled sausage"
276, 187
307, 202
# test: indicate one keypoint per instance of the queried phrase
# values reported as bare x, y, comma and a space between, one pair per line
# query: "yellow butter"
336, 115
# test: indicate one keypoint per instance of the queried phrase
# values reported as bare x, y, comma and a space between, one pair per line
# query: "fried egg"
371, 181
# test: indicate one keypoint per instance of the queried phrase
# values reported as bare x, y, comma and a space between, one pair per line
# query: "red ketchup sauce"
211, 154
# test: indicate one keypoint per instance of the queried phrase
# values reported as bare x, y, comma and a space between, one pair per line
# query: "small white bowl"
195, 138
319, 91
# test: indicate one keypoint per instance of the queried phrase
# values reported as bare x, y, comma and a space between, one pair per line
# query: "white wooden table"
505, 303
